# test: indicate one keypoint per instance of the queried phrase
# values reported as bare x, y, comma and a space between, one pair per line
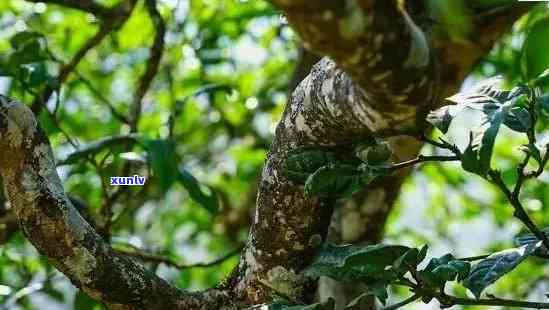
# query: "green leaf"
30, 52
483, 93
463, 268
469, 161
303, 162
535, 59
489, 131
53, 293
164, 161
379, 290
422, 253
442, 118
526, 239
543, 102
208, 201
95, 147
445, 273
496, 266
496, 106
518, 119
542, 79
407, 262
443, 269
354, 262
21, 38
334, 181
83, 302
435, 262
5, 67
452, 270
376, 154
486, 97
455, 18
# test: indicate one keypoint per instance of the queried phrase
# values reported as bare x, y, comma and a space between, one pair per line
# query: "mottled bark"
326, 109
305, 62
51, 223
384, 93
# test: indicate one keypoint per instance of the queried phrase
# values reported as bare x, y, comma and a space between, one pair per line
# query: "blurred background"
207, 121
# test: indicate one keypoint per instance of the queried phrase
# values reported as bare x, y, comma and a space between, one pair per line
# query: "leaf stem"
519, 213
422, 159
443, 144
403, 303
449, 301
473, 258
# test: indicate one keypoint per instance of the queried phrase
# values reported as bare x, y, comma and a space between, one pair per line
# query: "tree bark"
51, 223
381, 96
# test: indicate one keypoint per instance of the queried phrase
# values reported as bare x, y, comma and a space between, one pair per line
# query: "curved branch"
371, 40
333, 108
51, 223
86, 6
156, 51
381, 45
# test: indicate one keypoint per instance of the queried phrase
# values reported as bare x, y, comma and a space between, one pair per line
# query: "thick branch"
381, 45
371, 40
330, 108
51, 223
88, 6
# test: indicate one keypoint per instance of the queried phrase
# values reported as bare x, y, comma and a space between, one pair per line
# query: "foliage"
206, 124
324, 173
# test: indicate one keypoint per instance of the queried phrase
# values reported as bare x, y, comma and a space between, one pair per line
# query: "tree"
385, 66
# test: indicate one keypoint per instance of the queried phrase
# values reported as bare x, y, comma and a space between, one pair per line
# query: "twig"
513, 196
153, 64
449, 301
519, 213
138, 253
53, 118
403, 303
443, 144
86, 6
99, 145
179, 104
116, 18
473, 258
422, 159
102, 98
